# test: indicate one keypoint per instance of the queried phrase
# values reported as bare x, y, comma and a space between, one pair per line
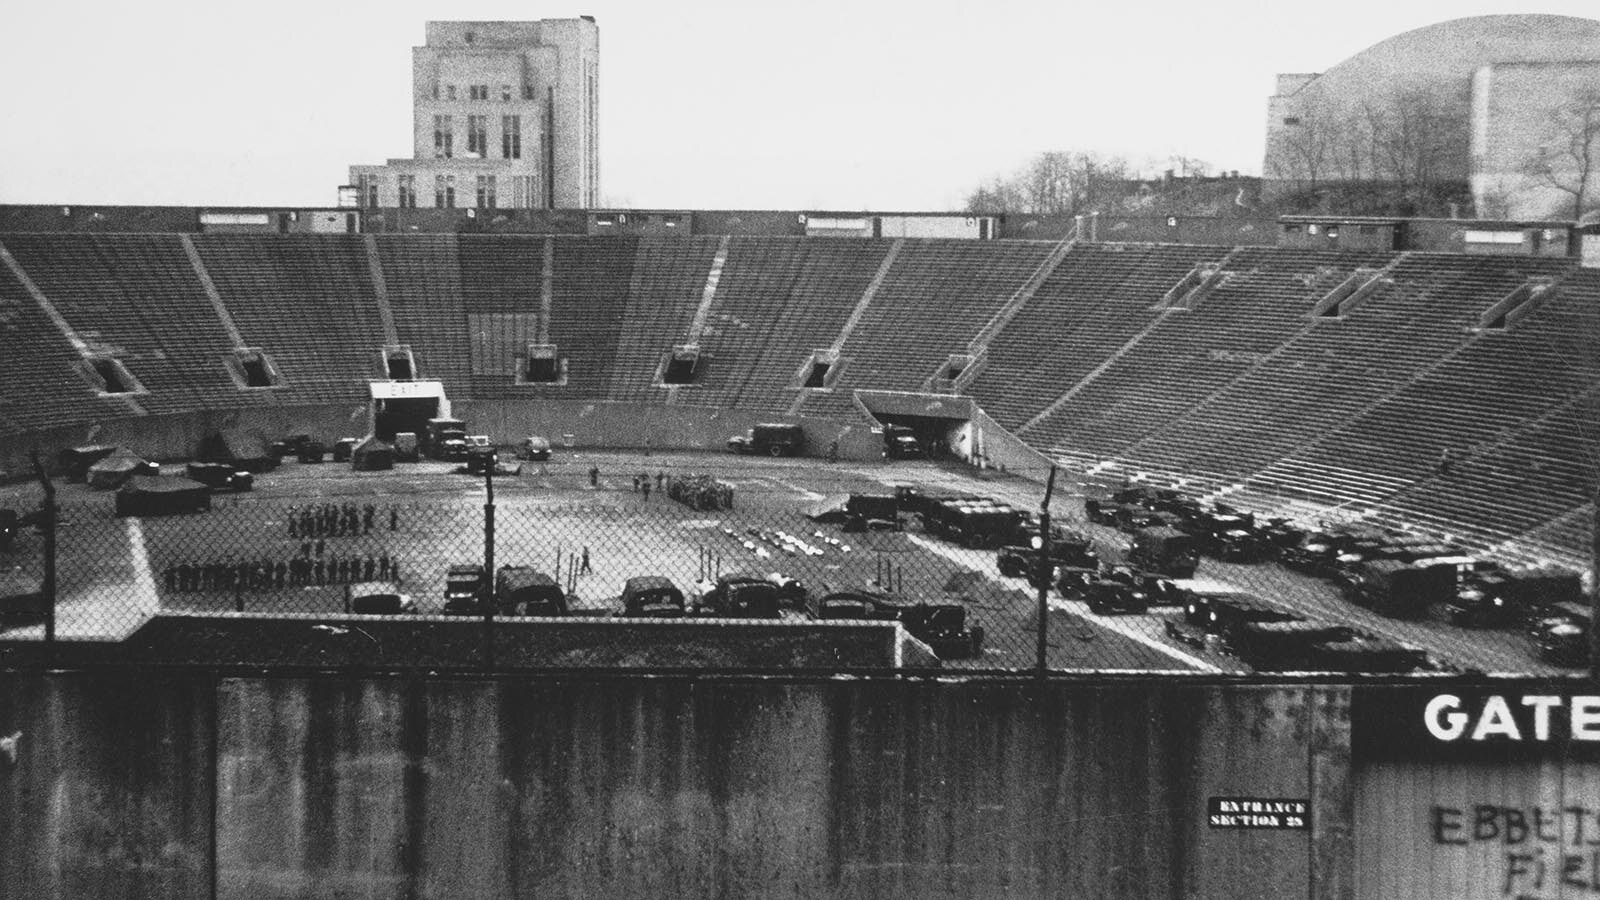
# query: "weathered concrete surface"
632, 787
110, 791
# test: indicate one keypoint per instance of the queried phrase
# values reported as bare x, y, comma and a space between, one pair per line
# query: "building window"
486, 192
478, 92
1291, 120
478, 136
444, 191
522, 191
511, 137
505, 92
408, 192
369, 191
527, 92
449, 92
443, 137
436, 90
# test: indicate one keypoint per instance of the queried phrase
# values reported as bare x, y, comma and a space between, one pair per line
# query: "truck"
770, 439
1399, 589
465, 587
900, 442
444, 439
1164, 551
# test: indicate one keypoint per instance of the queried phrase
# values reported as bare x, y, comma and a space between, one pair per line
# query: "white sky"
756, 105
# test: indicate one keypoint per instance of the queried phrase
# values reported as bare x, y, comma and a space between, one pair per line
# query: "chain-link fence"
684, 568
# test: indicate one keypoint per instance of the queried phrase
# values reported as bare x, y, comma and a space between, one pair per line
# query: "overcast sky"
816, 104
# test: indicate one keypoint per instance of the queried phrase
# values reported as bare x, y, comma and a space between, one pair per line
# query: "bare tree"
1570, 160
1307, 140
1412, 137
1058, 183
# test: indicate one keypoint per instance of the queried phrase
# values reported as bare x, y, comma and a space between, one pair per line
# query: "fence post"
487, 588
1045, 564
47, 585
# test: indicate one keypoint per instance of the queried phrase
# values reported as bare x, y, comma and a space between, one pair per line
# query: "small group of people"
641, 482
263, 574
338, 520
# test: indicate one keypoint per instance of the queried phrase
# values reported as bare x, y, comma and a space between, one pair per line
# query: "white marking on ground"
1115, 624
144, 580
809, 495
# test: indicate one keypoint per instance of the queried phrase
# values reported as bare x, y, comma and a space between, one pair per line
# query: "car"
525, 591
900, 442
651, 597
377, 598
220, 476
1107, 595
534, 448
741, 595
842, 605
465, 585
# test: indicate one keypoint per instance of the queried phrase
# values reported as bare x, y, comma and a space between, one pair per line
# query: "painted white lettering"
1444, 717
1586, 718
1542, 704
1496, 719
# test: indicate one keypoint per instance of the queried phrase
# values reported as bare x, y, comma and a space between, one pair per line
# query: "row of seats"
1203, 362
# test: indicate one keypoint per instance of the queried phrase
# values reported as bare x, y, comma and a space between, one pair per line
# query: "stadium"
880, 553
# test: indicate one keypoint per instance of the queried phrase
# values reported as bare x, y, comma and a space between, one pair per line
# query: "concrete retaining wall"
145, 786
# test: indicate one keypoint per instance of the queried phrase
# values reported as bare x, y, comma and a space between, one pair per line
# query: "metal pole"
487, 588
47, 586
1044, 561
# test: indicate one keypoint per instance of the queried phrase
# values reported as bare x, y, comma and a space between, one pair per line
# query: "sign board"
405, 390
1475, 722
1259, 813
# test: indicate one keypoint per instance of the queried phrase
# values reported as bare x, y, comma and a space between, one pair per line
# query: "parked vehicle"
465, 589
377, 598
1399, 589
444, 439
406, 448
741, 595
525, 591
770, 439
651, 597
220, 476
1164, 551
900, 442
344, 449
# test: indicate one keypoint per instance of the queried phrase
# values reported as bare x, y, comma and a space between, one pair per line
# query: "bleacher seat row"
1339, 376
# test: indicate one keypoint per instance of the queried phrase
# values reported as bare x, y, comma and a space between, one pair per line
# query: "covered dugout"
115, 469
146, 495
240, 449
372, 455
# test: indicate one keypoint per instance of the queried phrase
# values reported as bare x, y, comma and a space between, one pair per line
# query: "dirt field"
118, 573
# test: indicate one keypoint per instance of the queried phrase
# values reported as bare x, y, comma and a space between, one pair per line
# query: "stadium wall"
191, 785
507, 422
581, 423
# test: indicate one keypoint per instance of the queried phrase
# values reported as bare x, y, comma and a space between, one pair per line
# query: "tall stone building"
504, 115
1475, 102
